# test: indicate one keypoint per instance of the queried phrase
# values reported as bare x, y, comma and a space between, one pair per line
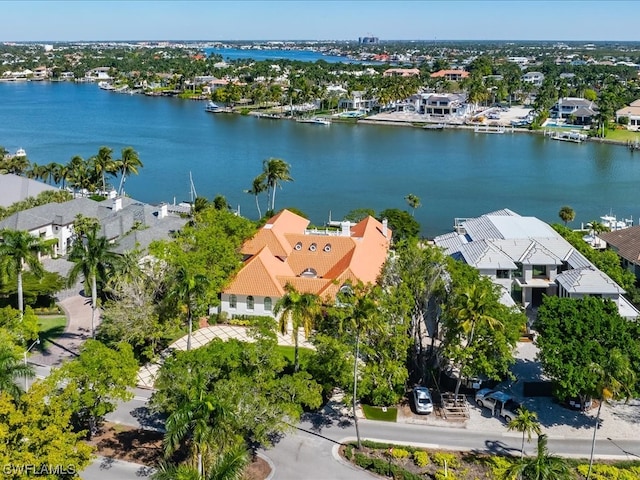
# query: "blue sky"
54, 20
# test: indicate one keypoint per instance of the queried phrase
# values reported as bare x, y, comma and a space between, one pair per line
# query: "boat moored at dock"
315, 121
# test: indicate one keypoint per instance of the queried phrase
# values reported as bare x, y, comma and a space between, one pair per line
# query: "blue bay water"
258, 55
456, 173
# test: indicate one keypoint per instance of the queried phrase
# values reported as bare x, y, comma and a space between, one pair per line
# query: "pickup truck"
500, 402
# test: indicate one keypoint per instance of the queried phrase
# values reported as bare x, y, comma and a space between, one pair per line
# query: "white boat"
20, 153
315, 120
613, 224
106, 86
215, 108
489, 129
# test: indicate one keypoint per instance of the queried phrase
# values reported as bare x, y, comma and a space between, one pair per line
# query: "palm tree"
543, 466
11, 368
471, 312
103, 163
615, 380
361, 317
128, 164
275, 171
567, 214
228, 465
188, 289
258, 186
17, 249
299, 309
93, 258
527, 423
413, 201
197, 419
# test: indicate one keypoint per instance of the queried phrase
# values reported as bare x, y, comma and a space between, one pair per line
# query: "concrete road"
107, 469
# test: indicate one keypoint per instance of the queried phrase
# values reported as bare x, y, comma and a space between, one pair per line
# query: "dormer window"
313, 247
298, 246
327, 248
309, 273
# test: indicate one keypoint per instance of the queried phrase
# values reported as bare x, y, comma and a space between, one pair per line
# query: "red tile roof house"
452, 75
313, 261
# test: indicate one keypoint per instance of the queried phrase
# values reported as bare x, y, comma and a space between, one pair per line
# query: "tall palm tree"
11, 368
471, 312
616, 379
275, 171
567, 214
527, 423
104, 163
413, 201
128, 164
188, 289
228, 465
197, 419
360, 317
299, 310
544, 466
258, 186
93, 258
17, 249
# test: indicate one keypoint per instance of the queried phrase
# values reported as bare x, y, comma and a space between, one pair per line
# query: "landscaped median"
412, 463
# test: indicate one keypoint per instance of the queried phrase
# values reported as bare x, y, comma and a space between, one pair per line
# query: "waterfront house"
444, 104
626, 243
632, 113
528, 259
131, 223
401, 72
580, 110
451, 75
315, 261
534, 78
357, 101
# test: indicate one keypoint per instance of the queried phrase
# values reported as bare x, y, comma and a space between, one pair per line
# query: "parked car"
498, 401
422, 400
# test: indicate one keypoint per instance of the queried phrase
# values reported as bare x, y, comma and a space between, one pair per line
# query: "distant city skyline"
81, 20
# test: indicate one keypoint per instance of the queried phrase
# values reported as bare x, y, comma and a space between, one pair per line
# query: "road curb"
270, 463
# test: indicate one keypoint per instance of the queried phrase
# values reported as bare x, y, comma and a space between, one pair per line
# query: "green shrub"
399, 453
348, 452
498, 466
421, 458
440, 475
439, 458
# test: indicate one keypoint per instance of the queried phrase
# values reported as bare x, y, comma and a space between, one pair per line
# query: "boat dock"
491, 129
571, 136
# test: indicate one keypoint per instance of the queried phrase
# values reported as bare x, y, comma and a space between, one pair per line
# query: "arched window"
250, 302
267, 304
233, 301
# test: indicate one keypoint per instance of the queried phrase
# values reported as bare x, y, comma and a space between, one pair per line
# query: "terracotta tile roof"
258, 276
625, 242
281, 251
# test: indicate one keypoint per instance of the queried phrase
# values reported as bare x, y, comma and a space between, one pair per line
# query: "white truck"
499, 402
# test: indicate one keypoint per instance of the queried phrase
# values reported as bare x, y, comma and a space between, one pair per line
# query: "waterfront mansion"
529, 259
314, 261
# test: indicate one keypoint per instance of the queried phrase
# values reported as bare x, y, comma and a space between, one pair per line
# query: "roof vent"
309, 273
298, 246
327, 247
313, 247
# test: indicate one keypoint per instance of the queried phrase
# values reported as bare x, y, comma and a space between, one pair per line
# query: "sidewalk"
148, 373
78, 312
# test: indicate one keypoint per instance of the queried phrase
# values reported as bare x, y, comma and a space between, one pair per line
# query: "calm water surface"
336, 168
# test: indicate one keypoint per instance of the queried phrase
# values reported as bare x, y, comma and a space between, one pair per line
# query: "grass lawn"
289, 353
51, 327
377, 413
623, 135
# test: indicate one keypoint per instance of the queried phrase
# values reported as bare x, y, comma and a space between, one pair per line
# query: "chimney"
345, 227
117, 204
385, 233
164, 210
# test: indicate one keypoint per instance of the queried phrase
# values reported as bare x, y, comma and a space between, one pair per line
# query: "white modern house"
529, 259
535, 78
632, 112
